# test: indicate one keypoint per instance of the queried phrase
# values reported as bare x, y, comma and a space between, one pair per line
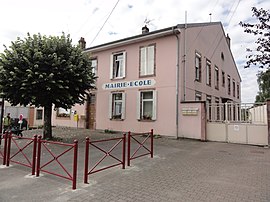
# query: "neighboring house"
143, 79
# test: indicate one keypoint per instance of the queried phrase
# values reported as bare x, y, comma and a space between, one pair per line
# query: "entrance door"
91, 112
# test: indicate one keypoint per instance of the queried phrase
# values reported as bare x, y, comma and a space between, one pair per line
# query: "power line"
105, 22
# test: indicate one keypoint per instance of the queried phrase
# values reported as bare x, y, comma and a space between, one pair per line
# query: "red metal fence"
141, 145
106, 154
43, 147
24, 157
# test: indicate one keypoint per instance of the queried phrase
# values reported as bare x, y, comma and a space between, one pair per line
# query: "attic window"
222, 56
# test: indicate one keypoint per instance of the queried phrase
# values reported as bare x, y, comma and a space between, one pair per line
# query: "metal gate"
244, 123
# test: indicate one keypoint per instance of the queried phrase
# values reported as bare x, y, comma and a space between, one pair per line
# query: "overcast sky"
84, 18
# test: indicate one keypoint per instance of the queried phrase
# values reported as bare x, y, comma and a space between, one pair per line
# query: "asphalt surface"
181, 170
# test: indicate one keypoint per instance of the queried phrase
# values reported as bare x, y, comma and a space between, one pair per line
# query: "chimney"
145, 30
228, 39
82, 43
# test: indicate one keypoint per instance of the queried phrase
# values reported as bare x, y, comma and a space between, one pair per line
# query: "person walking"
7, 123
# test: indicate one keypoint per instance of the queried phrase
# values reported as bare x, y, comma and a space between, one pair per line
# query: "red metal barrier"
141, 145
3, 152
55, 158
106, 153
21, 149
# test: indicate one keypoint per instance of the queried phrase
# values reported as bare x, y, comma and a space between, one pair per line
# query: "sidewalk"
181, 170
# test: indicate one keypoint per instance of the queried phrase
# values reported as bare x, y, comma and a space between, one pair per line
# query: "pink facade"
138, 88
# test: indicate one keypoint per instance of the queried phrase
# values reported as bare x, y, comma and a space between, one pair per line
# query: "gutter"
176, 32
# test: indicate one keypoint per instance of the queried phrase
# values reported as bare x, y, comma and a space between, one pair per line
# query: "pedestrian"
7, 123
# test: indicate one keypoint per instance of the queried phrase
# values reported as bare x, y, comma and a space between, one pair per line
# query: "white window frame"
37, 112
140, 110
233, 88
118, 65
198, 96
63, 113
94, 65
113, 102
208, 72
216, 78
198, 67
229, 84
147, 60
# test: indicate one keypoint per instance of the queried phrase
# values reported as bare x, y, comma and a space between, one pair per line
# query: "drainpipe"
176, 32
185, 55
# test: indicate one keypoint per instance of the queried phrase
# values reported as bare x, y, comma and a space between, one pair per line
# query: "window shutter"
143, 61
111, 67
110, 105
124, 64
151, 60
123, 115
138, 105
154, 116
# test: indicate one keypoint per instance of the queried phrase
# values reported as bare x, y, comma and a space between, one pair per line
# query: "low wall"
192, 120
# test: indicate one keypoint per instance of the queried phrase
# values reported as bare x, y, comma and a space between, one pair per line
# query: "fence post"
128, 152
8, 148
34, 155
268, 118
38, 155
86, 160
152, 143
5, 149
75, 160
124, 151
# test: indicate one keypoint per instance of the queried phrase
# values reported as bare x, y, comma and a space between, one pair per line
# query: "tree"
43, 71
261, 29
264, 86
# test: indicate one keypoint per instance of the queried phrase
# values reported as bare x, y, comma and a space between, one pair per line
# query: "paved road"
181, 170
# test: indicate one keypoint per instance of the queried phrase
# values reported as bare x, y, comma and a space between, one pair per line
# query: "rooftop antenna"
210, 15
146, 21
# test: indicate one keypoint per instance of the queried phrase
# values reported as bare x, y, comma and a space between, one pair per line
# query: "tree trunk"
47, 132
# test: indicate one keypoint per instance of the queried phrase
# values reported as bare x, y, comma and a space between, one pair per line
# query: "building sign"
129, 84
190, 111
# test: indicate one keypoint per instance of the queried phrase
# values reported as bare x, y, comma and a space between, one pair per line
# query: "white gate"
244, 123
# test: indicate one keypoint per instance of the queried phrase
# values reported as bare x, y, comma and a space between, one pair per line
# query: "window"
238, 91
146, 105
147, 60
118, 63
61, 112
209, 107
198, 67
117, 106
223, 79
216, 77
217, 109
198, 96
39, 114
229, 85
94, 66
208, 72
233, 88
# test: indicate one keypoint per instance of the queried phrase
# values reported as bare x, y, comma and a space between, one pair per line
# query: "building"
143, 80
148, 80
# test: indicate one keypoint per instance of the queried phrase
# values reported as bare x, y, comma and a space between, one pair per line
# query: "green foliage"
261, 29
263, 79
42, 71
